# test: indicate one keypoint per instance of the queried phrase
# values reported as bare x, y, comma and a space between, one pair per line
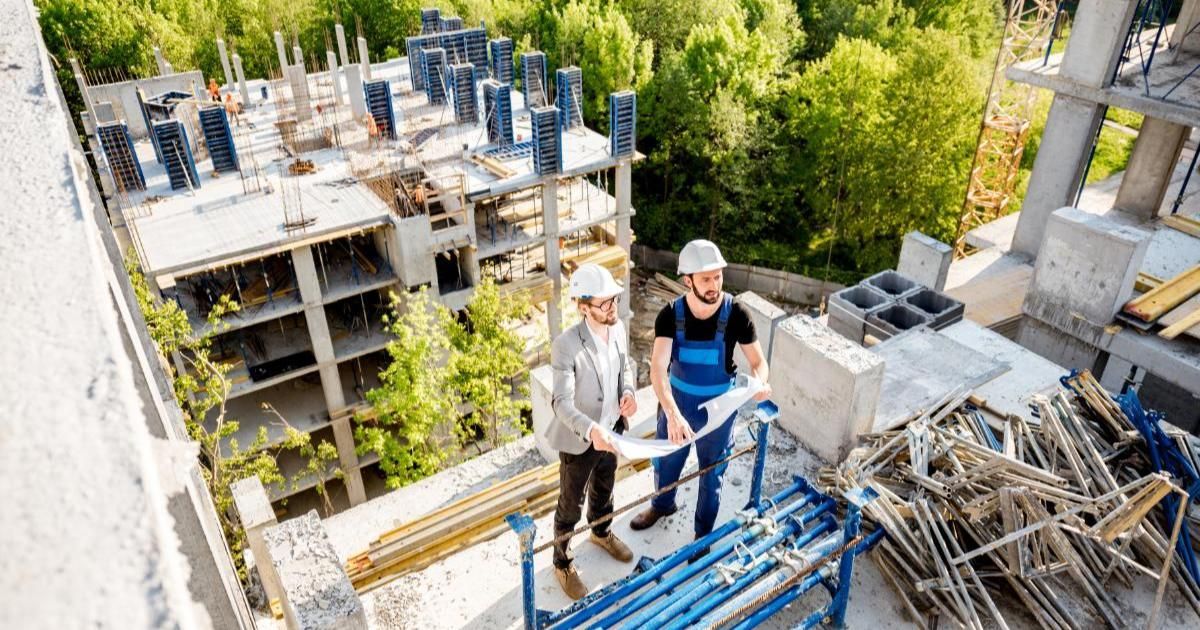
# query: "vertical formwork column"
225, 62
341, 43
553, 264
282, 52
331, 382
241, 80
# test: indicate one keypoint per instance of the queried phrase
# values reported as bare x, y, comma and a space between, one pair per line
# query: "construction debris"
301, 167
665, 288
1055, 510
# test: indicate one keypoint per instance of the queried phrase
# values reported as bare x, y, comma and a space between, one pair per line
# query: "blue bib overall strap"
697, 375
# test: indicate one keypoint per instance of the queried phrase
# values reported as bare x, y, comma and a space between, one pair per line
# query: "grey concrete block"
849, 307
892, 283
317, 592
765, 317
894, 319
925, 259
1085, 272
827, 387
944, 309
541, 390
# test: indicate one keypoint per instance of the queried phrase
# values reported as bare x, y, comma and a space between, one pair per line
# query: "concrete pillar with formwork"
364, 58
553, 264
240, 73
413, 240
623, 178
766, 317
1093, 51
161, 62
341, 44
925, 259
331, 61
298, 56
225, 63
298, 81
317, 593
256, 515
331, 384
1155, 152
354, 89
827, 387
281, 51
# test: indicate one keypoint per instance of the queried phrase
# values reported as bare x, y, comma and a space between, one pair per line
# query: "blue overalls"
697, 376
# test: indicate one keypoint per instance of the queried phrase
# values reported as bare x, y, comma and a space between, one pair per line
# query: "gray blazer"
578, 397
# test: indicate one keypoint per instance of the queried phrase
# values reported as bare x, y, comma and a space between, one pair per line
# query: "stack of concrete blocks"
827, 388
1084, 275
317, 592
888, 304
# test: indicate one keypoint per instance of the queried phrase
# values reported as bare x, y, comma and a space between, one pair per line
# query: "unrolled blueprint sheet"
719, 408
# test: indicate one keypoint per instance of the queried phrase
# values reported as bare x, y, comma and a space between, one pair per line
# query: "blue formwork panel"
141, 98
219, 138
622, 123
501, 50
431, 21
547, 140
379, 103
568, 83
455, 45
416, 72
451, 24
477, 52
177, 154
462, 86
533, 79
433, 65
122, 159
497, 106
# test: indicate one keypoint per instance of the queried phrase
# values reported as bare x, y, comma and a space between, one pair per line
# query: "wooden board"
1181, 311
1162, 299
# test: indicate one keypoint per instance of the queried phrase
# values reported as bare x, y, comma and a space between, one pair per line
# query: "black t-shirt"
739, 328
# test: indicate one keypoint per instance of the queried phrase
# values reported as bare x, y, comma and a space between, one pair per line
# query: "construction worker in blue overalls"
692, 363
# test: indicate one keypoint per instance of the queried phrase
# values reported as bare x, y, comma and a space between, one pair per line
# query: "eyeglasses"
606, 304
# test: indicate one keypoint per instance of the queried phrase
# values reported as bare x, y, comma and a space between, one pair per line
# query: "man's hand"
678, 430
600, 440
628, 405
764, 394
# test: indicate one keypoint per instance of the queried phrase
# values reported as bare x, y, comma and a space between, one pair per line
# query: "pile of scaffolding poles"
741, 574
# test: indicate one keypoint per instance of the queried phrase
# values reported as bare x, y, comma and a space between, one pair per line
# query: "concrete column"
623, 187
354, 89
1062, 157
81, 83
199, 93
925, 259
298, 57
241, 80
364, 58
331, 383
225, 62
282, 52
1155, 153
161, 62
331, 61
827, 387
341, 43
1097, 41
254, 511
298, 80
317, 591
553, 264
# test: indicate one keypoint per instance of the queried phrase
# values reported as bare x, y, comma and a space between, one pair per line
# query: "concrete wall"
123, 95
74, 324
317, 591
766, 317
785, 285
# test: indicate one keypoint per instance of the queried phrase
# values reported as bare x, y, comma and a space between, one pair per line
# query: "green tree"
415, 404
486, 360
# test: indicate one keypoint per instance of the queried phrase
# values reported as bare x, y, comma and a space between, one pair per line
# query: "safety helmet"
591, 280
699, 256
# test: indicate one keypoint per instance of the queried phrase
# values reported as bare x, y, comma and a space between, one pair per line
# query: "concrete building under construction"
340, 182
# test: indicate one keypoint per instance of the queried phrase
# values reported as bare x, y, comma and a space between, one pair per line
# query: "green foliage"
201, 391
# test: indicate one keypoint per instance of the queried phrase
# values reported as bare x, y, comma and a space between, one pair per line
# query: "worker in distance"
692, 363
593, 399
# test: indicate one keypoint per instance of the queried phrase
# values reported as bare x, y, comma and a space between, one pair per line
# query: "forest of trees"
798, 134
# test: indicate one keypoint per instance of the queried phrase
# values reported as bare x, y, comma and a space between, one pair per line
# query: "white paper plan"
719, 408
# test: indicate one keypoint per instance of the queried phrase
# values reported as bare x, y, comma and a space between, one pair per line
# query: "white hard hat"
699, 256
591, 280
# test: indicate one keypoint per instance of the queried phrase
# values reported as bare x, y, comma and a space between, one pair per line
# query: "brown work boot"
613, 546
568, 579
647, 519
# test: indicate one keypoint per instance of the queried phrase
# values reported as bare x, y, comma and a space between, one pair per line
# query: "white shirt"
609, 369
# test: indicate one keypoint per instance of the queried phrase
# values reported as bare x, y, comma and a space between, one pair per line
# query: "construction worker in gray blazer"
592, 400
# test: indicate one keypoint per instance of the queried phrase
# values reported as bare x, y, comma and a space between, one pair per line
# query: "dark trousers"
592, 472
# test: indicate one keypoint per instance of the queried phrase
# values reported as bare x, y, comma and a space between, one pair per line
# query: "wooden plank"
1187, 225
1146, 282
1166, 296
1180, 312
1187, 323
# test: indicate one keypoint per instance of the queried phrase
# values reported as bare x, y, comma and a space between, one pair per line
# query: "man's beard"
607, 319
716, 295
